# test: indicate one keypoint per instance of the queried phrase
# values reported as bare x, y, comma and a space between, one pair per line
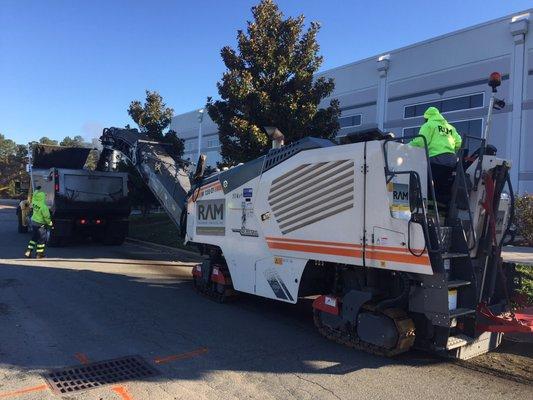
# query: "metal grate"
90, 376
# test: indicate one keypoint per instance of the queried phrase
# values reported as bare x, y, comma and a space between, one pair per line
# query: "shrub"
524, 217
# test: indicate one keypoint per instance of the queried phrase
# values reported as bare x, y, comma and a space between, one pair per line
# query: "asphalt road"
88, 303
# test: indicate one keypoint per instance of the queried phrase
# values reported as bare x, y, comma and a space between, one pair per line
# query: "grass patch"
157, 228
526, 272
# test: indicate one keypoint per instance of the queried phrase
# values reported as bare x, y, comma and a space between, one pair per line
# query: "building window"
212, 142
352, 120
471, 127
446, 105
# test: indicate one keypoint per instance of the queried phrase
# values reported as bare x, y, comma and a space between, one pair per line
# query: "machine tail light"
83, 221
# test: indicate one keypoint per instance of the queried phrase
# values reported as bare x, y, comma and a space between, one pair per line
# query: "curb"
163, 247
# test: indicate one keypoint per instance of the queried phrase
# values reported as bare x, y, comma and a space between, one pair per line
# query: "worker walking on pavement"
443, 141
41, 222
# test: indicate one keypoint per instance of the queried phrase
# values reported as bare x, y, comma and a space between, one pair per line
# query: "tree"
153, 118
47, 141
8, 148
178, 145
76, 141
12, 160
269, 82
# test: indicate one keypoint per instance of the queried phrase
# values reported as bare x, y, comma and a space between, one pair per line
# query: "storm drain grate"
90, 376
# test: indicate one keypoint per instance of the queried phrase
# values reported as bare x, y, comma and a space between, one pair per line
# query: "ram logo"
210, 217
211, 212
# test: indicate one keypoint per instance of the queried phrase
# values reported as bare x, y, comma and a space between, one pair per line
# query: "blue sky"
72, 67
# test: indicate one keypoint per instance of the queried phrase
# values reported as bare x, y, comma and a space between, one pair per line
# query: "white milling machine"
355, 227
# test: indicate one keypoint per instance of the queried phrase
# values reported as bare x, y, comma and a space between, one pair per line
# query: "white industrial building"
392, 91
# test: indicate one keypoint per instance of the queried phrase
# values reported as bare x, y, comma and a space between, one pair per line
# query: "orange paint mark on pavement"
82, 358
122, 392
182, 356
23, 391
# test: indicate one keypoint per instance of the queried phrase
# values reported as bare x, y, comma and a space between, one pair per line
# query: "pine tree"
153, 118
269, 82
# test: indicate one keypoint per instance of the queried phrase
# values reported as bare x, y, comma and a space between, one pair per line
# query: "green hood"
39, 198
433, 114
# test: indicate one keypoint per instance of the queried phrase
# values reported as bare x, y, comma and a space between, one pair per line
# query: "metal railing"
390, 173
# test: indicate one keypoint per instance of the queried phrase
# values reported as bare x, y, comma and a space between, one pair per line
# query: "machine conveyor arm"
165, 174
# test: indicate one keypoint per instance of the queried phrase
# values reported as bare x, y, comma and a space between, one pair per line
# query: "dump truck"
83, 203
357, 227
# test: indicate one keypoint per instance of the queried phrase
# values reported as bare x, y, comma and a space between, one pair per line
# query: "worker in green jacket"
443, 141
41, 222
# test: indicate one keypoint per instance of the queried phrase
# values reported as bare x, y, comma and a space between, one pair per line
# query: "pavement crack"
317, 384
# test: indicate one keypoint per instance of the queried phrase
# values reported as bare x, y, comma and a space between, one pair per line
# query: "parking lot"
88, 303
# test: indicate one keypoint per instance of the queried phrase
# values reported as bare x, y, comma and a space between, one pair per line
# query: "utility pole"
200, 120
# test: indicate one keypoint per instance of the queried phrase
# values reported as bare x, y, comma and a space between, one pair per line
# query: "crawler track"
404, 325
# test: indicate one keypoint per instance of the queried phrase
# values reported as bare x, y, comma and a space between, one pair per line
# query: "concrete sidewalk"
518, 254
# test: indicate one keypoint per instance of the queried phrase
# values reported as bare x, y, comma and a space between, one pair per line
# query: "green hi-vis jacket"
441, 137
41, 212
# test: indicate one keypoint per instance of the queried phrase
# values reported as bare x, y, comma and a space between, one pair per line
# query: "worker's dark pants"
442, 169
38, 239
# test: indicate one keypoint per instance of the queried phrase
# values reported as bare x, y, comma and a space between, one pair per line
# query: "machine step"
457, 283
458, 341
461, 311
455, 255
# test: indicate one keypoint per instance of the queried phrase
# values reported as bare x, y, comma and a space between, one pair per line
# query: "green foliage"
50, 142
12, 160
76, 141
524, 217
178, 145
526, 272
269, 82
157, 228
8, 149
153, 118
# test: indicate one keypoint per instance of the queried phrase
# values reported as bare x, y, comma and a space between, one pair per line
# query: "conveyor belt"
164, 174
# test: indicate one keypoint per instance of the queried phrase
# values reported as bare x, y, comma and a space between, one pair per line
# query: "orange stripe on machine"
336, 251
205, 190
396, 254
341, 244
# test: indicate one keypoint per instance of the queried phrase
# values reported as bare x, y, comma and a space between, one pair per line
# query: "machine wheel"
397, 335
21, 227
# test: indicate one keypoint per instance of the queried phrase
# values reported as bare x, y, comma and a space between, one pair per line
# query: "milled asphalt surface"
90, 303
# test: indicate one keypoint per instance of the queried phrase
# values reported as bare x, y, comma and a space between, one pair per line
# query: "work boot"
39, 255
27, 254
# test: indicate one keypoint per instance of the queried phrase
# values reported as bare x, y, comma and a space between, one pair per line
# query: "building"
451, 71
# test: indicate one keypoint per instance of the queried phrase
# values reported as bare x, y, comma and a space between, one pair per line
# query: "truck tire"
21, 227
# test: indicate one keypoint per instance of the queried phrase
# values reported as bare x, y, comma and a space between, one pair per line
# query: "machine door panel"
392, 242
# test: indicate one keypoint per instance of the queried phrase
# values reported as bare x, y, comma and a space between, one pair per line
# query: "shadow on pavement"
49, 314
